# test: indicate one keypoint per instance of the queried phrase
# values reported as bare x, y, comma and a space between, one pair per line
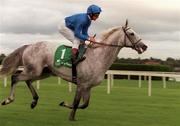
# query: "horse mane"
108, 32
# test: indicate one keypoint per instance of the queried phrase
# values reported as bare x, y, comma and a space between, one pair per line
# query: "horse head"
132, 39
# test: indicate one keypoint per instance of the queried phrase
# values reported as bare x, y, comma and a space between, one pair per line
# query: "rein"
104, 44
125, 35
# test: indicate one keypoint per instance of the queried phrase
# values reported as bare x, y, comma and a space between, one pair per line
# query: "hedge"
139, 67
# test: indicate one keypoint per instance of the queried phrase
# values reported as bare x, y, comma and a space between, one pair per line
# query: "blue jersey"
79, 23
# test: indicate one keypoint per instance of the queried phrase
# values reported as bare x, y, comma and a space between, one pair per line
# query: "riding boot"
74, 59
82, 50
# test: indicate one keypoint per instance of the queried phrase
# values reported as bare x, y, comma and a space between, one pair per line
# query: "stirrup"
79, 60
82, 59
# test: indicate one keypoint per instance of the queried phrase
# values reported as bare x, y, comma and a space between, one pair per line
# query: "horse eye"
132, 34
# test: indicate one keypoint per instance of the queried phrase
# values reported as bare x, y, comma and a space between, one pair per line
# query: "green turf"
127, 105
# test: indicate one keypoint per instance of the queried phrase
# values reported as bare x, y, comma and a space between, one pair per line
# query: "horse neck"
104, 56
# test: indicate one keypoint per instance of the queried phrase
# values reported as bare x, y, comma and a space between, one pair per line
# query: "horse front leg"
80, 92
86, 97
85, 94
75, 104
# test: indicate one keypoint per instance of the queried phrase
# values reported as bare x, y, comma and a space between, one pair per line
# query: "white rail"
111, 73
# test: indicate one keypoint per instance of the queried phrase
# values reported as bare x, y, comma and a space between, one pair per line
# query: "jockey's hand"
92, 39
88, 43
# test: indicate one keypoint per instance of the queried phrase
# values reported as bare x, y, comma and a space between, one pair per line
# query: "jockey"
75, 28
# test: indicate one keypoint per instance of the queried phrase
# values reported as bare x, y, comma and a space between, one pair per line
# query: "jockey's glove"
88, 43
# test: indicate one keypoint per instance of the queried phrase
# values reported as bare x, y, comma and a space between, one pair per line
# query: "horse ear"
126, 23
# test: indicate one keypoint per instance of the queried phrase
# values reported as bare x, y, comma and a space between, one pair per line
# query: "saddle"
63, 55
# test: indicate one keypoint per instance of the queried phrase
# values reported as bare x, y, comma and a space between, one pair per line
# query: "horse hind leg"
29, 74
46, 72
14, 81
34, 94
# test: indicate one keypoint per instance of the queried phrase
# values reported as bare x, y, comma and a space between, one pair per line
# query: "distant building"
151, 62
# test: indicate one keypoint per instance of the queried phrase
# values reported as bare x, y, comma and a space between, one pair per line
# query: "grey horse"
37, 60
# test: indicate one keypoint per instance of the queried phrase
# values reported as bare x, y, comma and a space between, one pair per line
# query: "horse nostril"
144, 47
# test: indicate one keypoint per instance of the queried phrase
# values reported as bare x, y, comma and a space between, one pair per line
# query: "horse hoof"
62, 103
72, 119
33, 105
3, 103
7, 101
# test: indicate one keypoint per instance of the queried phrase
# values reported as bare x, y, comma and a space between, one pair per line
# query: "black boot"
82, 50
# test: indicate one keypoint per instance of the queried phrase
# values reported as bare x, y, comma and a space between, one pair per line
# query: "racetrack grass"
127, 105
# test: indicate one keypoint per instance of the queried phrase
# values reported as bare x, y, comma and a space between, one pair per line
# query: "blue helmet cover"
93, 9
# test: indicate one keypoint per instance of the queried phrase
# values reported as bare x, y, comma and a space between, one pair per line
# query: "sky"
156, 21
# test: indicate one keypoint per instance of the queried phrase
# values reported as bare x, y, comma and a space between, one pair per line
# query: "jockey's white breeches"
69, 34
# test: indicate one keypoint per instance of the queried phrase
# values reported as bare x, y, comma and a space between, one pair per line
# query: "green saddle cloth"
62, 56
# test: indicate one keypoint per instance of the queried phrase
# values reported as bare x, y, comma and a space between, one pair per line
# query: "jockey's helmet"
93, 9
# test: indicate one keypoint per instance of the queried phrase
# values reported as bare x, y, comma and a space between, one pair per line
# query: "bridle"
125, 29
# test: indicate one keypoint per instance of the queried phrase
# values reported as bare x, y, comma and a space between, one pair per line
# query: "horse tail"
12, 61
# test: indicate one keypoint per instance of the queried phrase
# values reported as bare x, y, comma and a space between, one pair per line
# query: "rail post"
108, 84
140, 82
149, 86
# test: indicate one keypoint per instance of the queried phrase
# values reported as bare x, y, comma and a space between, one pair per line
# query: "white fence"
164, 75
111, 73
